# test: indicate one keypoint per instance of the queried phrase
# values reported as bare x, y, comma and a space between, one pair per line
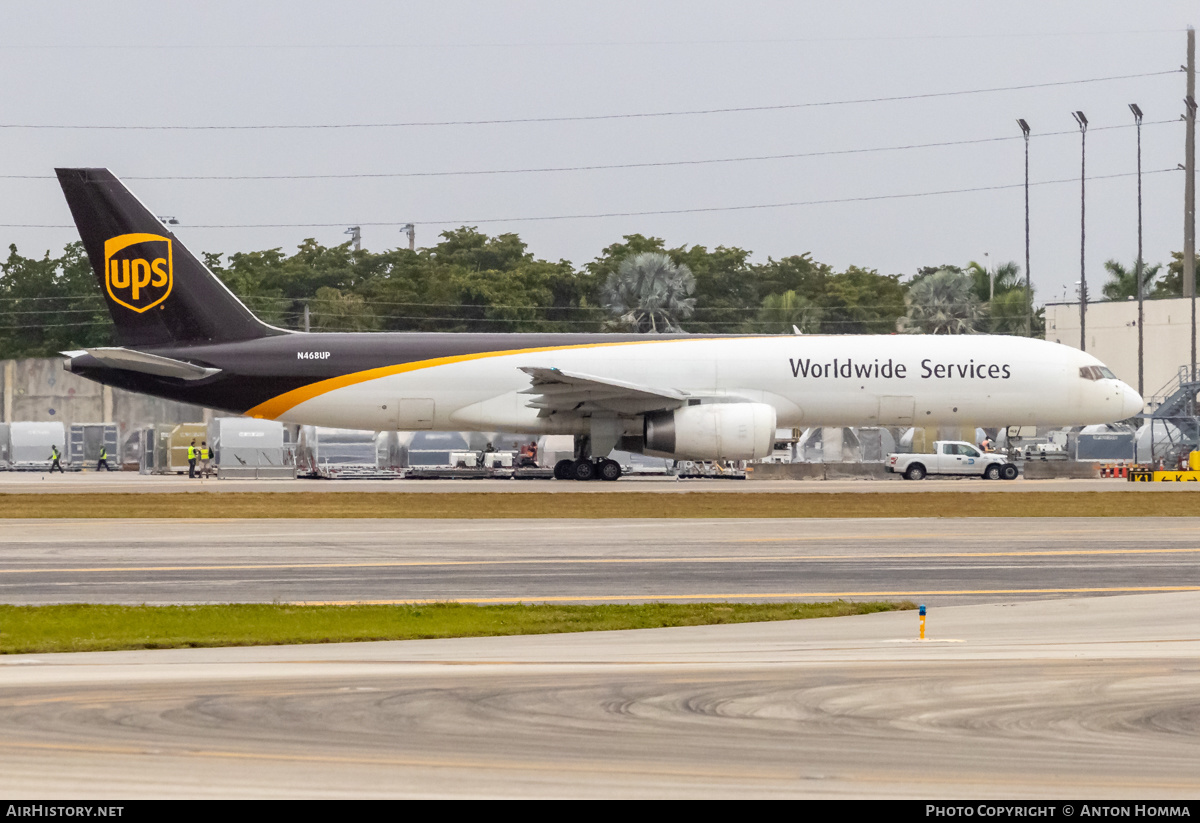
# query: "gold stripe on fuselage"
276, 406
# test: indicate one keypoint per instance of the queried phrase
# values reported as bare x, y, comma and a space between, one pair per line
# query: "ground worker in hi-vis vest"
205, 459
54, 458
192, 459
102, 463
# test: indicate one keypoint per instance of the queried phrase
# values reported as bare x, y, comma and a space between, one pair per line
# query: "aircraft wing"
555, 390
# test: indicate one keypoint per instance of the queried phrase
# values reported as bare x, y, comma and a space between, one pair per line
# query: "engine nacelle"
712, 431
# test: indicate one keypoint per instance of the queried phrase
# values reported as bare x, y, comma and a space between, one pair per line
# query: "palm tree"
649, 293
1009, 311
1005, 278
783, 312
1122, 282
943, 303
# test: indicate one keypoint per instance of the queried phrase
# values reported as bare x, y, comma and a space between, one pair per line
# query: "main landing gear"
587, 469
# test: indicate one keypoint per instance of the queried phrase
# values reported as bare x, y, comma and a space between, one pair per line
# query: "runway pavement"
1088, 698
1030, 685
940, 562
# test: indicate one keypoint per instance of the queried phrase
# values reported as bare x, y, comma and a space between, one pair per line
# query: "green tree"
1122, 282
247, 275
798, 273
1001, 280
1171, 284
726, 291
1009, 312
943, 303
786, 312
50, 305
331, 310
475, 251
861, 301
612, 256
468, 281
856, 301
649, 292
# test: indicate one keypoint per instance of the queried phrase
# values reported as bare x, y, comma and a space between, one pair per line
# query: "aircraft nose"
1131, 402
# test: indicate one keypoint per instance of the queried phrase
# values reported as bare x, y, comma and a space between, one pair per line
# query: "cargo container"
251, 448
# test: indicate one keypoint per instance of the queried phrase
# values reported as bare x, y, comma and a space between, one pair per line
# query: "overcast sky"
323, 64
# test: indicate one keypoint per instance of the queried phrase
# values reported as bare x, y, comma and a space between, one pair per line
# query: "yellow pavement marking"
723, 771
638, 768
1140, 532
599, 561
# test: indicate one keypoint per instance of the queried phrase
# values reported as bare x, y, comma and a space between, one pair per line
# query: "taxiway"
1089, 697
953, 561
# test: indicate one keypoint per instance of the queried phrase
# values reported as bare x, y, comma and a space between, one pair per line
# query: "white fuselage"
894, 380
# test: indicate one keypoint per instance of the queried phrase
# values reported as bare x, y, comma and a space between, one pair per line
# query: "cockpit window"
1107, 374
1096, 373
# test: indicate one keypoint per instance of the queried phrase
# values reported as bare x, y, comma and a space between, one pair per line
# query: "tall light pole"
1028, 292
1083, 123
411, 231
1137, 116
355, 233
1189, 189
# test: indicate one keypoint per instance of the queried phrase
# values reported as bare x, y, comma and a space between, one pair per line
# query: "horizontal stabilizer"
130, 360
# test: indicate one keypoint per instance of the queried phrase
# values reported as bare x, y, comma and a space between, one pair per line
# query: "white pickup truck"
952, 457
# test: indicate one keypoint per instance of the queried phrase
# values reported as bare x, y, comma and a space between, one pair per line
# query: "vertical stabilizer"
157, 292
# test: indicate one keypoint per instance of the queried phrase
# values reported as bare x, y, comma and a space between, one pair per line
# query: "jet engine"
711, 431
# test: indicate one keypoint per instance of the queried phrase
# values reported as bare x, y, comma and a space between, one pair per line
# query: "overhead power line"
269, 304
598, 215
598, 166
588, 117
527, 44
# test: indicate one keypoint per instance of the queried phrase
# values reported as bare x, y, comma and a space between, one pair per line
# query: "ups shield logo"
138, 270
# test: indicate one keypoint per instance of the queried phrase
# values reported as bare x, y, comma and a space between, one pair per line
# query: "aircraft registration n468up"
182, 335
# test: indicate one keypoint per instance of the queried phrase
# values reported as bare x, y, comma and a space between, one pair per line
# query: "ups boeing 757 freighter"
183, 336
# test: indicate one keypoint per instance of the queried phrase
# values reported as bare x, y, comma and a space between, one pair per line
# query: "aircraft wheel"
1009, 472
609, 469
562, 470
992, 472
583, 469
915, 472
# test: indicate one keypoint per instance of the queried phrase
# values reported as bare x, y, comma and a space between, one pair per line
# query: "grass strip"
471, 505
91, 627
